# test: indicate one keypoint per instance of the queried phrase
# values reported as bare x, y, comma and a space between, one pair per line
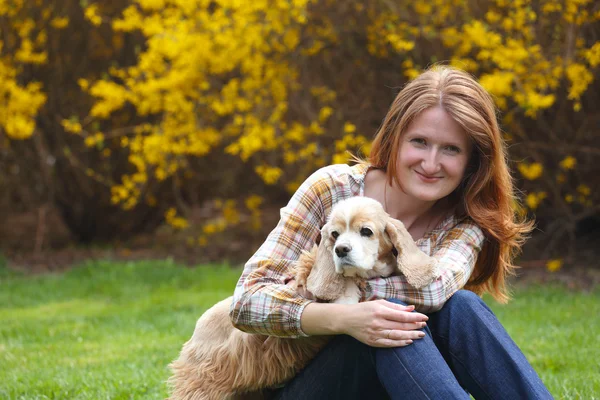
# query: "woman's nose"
430, 163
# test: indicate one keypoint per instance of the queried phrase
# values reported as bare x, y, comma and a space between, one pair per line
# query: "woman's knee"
464, 300
464, 311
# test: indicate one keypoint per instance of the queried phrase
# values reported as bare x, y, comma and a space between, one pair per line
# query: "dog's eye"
335, 234
366, 232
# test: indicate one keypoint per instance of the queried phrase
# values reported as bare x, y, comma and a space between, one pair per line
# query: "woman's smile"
427, 178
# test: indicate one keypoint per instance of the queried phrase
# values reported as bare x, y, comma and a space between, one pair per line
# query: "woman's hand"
381, 323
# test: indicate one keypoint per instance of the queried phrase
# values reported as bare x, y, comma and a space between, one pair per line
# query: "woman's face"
434, 154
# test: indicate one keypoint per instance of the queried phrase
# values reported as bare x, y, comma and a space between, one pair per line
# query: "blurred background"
153, 128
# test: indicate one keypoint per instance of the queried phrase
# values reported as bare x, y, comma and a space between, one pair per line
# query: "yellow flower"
554, 265
593, 54
90, 141
60, 22
580, 78
533, 200
84, 84
568, 162
253, 202
91, 14
71, 126
325, 113
531, 171
584, 190
270, 175
349, 127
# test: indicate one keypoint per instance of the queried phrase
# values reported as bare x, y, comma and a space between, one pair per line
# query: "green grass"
559, 332
102, 331
107, 330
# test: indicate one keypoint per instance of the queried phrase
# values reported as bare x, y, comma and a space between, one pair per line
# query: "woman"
437, 164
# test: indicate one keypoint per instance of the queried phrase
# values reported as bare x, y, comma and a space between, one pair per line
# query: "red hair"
486, 193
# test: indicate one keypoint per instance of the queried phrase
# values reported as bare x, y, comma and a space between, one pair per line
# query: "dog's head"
358, 241
355, 236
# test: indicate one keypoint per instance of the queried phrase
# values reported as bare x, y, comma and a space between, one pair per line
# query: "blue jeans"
465, 350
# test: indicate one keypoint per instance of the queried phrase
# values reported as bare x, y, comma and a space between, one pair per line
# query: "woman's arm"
262, 302
456, 257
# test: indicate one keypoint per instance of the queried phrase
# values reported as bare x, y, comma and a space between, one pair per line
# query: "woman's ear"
323, 282
418, 268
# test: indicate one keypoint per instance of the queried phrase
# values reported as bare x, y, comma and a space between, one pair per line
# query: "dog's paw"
303, 266
426, 270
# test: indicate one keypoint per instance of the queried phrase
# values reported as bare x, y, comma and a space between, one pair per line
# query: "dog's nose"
342, 250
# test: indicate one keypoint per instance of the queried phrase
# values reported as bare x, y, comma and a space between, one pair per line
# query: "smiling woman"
437, 164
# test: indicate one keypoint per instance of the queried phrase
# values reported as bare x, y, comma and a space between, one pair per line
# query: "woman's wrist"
323, 319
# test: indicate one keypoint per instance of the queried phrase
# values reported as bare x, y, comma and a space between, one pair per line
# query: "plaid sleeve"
262, 303
456, 256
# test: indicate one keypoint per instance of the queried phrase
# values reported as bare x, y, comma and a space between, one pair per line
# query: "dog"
359, 241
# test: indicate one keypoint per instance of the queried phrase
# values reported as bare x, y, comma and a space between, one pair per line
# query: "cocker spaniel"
359, 241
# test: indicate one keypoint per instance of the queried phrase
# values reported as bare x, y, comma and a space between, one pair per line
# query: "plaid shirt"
262, 303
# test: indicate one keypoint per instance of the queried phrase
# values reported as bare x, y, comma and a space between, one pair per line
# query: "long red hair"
487, 193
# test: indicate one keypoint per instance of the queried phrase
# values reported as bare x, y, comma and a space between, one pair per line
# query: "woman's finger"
406, 326
403, 316
396, 306
403, 335
392, 343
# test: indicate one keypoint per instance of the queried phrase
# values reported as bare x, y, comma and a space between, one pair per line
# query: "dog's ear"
323, 282
418, 268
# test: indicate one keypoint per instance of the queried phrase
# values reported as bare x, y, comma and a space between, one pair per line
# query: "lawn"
107, 330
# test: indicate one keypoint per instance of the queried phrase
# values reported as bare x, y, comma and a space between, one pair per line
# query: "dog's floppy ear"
418, 268
323, 282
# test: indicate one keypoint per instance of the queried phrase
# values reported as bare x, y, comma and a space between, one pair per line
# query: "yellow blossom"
530, 171
325, 113
584, 190
533, 200
253, 202
568, 162
270, 175
349, 127
554, 265
60, 22
174, 220
71, 126
91, 14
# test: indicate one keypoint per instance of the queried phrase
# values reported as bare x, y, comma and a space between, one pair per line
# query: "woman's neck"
405, 208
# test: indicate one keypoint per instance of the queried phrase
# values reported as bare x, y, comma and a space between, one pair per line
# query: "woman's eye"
334, 234
419, 141
453, 149
366, 232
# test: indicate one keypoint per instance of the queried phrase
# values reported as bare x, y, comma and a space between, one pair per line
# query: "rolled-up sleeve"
262, 302
456, 256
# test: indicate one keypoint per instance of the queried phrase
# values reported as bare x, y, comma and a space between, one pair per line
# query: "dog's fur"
222, 362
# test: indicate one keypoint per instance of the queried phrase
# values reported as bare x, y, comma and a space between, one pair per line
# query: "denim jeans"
465, 350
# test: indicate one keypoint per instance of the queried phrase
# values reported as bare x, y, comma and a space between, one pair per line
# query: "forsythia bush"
19, 102
286, 86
